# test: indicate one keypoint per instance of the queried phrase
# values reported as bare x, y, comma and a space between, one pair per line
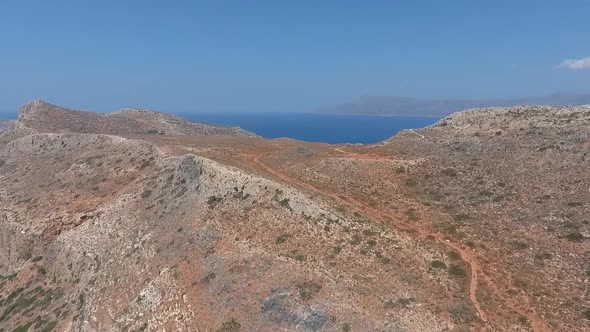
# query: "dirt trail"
423, 233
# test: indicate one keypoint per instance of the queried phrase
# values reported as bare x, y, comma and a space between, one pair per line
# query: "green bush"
285, 203
543, 256
454, 255
449, 172
575, 236
209, 277
437, 264
230, 326
282, 238
457, 271
307, 289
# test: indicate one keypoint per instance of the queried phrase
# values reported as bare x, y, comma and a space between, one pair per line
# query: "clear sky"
183, 56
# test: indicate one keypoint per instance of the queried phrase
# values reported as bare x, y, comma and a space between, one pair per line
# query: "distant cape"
408, 106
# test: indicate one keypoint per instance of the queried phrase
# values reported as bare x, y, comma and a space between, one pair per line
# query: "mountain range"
408, 106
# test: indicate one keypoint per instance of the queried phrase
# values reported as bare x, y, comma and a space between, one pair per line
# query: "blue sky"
188, 56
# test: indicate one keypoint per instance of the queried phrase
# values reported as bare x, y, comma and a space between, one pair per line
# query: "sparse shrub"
520, 245
23, 328
400, 303
522, 320
307, 289
282, 238
231, 325
285, 203
512, 292
586, 314
356, 239
449, 172
411, 182
210, 276
346, 327
486, 193
300, 258
389, 304
385, 260
461, 217
498, 198
457, 271
454, 255
412, 214
543, 256
521, 284
49, 326
438, 264
462, 314
575, 236
213, 200
452, 231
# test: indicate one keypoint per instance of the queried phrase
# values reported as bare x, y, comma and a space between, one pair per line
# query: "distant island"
409, 106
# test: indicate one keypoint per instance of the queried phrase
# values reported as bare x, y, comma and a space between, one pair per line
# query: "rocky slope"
513, 184
39, 116
476, 223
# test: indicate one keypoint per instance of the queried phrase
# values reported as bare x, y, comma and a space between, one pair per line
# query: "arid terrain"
142, 221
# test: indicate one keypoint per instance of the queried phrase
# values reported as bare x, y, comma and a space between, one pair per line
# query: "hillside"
476, 223
38, 116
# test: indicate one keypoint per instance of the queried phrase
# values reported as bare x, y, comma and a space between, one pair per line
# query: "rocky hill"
38, 116
476, 223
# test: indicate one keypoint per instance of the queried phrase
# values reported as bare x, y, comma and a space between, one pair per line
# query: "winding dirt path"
423, 233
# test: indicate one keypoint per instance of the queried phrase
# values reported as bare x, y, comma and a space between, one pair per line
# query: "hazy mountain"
392, 105
5, 124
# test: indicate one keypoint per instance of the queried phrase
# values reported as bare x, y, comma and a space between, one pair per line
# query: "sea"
313, 127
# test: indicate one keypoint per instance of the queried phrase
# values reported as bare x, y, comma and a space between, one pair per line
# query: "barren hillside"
477, 223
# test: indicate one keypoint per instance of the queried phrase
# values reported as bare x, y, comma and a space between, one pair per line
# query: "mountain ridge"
410, 106
40, 116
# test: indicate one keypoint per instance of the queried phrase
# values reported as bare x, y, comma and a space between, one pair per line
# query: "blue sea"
327, 128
